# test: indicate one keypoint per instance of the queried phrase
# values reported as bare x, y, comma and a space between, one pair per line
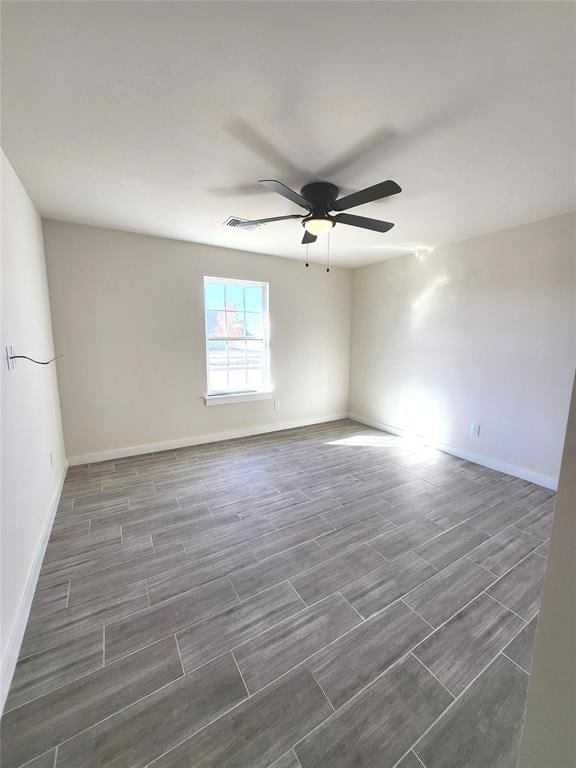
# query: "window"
236, 335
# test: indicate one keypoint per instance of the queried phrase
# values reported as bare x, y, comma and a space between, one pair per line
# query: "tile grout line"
400, 599
417, 758
520, 667
293, 588
141, 578
306, 570
469, 557
522, 628
42, 754
296, 757
319, 685
437, 570
148, 593
464, 607
522, 619
56, 645
93, 552
362, 619
513, 524
235, 592
466, 521
525, 533
179, 655
274, 626
448, 691
484, 591
347, 704
83, 575
327, 523
240, 673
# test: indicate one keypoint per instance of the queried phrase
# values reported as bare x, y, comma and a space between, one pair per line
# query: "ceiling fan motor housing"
321, 195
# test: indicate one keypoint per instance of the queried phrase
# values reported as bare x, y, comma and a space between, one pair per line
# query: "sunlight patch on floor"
368, 441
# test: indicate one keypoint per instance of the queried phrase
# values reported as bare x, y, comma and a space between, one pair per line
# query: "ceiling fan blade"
267, 221
308, 238
368, 195
282, 189
362, 221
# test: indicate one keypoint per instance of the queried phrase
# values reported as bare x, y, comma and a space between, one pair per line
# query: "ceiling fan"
320, 198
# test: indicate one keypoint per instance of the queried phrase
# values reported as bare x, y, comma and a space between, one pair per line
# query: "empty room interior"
288, 431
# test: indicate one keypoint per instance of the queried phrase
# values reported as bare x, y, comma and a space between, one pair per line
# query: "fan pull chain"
328, 253
307, 260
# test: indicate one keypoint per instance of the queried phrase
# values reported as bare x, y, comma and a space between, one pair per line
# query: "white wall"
482, 331
128, 315
30, 426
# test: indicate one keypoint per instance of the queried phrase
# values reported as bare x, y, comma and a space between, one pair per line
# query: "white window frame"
245, 395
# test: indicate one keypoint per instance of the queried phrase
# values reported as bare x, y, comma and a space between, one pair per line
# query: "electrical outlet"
475, 430
51, 459
276, 405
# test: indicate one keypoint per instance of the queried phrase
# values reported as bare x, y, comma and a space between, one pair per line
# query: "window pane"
254, 378
235, 297
254, 325
237, 379
217, 353
217, 366
253, 298
215, 322
214, 295
234, 323
237, 365
218, 380
236, 353
254, 354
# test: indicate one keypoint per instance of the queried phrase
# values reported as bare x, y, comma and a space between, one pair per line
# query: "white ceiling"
160, 117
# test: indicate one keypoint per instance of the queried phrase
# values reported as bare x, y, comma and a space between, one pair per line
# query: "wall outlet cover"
9, 361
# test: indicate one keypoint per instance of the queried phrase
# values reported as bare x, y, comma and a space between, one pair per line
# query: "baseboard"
485, 461
215, 437
15, 640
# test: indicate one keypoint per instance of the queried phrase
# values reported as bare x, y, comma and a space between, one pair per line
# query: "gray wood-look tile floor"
325, 597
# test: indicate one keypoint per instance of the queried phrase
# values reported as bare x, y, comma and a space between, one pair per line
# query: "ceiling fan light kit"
320, 198
318, 226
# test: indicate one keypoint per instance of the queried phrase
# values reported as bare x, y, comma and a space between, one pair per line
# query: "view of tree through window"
236, 335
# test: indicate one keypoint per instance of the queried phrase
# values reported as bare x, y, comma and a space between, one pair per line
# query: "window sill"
240, 397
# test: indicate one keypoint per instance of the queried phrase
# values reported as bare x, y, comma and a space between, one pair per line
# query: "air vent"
234, 221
